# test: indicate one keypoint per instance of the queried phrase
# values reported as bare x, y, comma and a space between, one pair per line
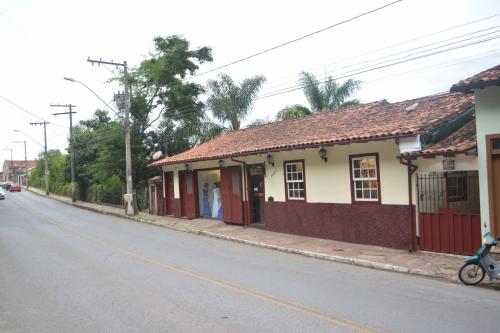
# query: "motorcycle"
481, 263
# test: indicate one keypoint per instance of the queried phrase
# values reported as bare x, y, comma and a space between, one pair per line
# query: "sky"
44, 41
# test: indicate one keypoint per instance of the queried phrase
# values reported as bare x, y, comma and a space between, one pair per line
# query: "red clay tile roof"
20, 164
372, 121
486, 78
460, 141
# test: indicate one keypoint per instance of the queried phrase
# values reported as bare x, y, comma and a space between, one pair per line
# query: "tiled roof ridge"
478, 80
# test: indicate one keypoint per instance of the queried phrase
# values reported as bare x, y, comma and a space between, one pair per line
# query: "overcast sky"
44, 41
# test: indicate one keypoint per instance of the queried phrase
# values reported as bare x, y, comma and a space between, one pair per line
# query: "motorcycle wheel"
471, 274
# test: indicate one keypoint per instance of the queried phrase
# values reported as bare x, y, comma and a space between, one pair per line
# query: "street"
64, 269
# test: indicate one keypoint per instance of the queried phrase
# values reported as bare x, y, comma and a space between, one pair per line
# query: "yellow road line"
212, 280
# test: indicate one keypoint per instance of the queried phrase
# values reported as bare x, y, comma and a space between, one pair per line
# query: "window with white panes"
365, 178
294, 176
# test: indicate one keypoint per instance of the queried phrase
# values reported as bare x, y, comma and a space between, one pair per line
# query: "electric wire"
297, 39
406, 41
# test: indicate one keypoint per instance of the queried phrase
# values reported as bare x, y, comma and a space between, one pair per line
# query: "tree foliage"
330, 95
230, 102
292, 112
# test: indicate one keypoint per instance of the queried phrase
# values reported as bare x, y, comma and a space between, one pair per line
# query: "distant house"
486, 88
15, 170
349, 175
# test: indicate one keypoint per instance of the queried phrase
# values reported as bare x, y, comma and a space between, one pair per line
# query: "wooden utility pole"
44, 123
71, 146
129, 198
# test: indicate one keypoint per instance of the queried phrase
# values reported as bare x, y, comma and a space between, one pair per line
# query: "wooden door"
493, 155
169, 193
191, 195
231, 193
496, 195
183, 192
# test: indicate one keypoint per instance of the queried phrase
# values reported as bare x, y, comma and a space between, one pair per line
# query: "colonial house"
348, 175
15, 170
486, 88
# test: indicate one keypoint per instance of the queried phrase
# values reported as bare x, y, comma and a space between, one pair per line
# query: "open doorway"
256, 174
209, 193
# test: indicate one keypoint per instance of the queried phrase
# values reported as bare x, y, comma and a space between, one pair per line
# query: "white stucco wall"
487, 122
330, 182
325, 182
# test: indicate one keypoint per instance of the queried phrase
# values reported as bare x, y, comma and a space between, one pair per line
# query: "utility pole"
25, 162
71, 147
44, 123
129, 198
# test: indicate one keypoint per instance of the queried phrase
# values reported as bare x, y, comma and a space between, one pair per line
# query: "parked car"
2, 194
15, 188
5, 185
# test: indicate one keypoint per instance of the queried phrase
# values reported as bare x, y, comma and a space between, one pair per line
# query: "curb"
345, 260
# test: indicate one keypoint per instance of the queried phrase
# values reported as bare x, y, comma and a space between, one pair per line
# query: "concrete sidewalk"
419, 263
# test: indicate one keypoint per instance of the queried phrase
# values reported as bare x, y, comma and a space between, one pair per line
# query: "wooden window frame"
301, 200
351, 176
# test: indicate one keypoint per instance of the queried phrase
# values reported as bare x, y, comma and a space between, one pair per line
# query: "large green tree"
231, 102
160, 93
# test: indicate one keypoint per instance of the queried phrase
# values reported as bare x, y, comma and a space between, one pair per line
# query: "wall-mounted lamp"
322, 154
186, 166
221, 164
270, 159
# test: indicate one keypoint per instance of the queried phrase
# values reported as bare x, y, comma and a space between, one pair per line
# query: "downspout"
411, 170
245, 190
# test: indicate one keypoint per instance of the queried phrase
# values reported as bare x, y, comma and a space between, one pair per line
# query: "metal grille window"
456, 186
294, 177
365, 178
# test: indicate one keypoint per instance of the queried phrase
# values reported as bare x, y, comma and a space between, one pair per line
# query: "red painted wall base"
382, 225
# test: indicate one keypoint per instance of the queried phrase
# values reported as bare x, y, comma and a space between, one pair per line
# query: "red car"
15, 188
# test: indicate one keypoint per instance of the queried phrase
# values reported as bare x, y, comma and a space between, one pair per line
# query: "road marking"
211, 280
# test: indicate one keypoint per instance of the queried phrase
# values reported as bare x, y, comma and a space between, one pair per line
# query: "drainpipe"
411, 170
246, 221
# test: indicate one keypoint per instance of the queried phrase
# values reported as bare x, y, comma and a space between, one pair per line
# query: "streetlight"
11, 163
129, 196
70, 79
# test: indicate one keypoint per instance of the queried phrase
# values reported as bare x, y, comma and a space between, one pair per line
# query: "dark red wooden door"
183, 192
450, 231
188, 187
231, 193
160, 202
169, 193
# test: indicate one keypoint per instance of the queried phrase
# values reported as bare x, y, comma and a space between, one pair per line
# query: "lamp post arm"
99, 97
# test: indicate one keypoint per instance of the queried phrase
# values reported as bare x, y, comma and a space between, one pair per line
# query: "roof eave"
284, 148
466, 88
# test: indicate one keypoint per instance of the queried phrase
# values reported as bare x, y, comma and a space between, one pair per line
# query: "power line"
409, 50
380, 66
296, 39
372, 67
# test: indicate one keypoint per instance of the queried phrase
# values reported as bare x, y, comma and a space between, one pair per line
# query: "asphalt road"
63, 269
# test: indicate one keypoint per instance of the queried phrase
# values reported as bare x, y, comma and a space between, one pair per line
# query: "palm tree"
230, 102
292, 112
330, 96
